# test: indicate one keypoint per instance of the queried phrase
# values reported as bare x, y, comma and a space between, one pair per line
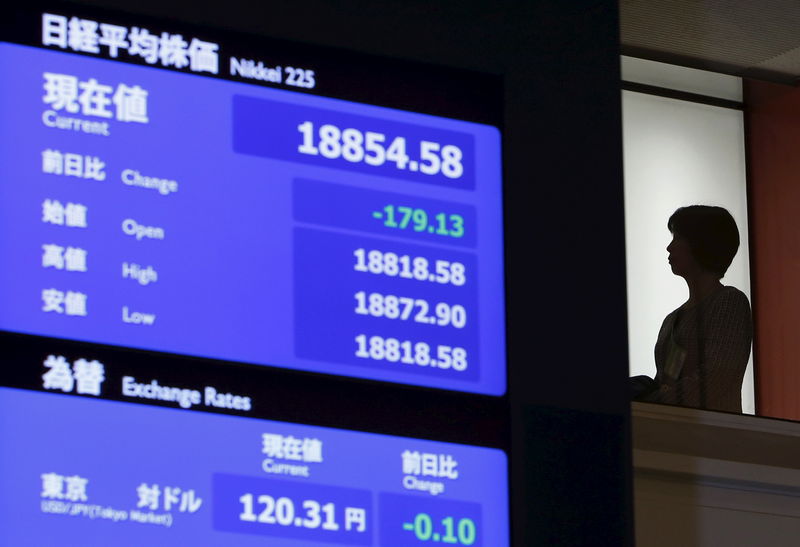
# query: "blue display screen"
87, 472
187, 214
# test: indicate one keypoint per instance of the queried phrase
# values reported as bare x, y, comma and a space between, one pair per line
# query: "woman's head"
709, 232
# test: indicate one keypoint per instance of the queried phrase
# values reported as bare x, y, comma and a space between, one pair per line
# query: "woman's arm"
726, 332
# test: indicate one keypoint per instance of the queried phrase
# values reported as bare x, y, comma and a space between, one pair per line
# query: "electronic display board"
95, 472
549, 84
160, 193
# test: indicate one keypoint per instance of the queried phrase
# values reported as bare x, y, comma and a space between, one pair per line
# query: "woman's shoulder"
732, 294
730, 298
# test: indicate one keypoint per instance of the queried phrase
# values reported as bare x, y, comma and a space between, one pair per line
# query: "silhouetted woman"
703, 346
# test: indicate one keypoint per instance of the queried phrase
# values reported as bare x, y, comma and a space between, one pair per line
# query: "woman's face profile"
680, 256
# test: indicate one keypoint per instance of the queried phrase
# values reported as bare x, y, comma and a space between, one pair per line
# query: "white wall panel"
677, 153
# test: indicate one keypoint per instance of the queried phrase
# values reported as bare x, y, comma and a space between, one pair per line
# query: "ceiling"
749, 38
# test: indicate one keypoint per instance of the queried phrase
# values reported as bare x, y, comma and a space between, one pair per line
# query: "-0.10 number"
393, 265
464, 533
393, 350
368, 147
403, 307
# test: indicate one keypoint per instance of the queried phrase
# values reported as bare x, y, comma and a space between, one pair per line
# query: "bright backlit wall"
677, 153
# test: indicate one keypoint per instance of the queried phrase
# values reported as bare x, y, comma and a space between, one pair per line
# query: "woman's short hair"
711, 233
